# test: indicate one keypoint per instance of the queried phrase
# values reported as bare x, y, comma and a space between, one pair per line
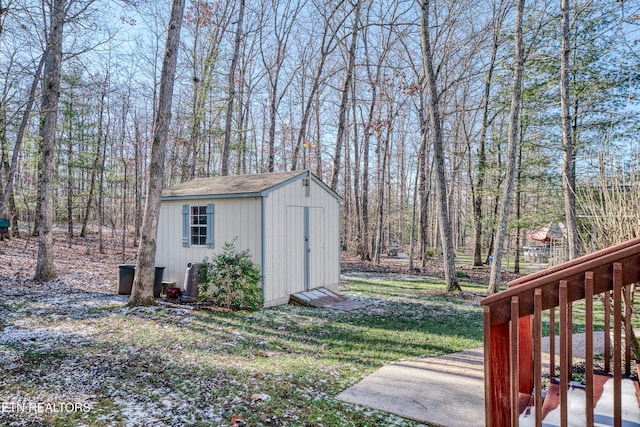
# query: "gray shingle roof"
230, 185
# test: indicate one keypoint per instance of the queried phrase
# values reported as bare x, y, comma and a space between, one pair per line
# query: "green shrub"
462, 275
231, 279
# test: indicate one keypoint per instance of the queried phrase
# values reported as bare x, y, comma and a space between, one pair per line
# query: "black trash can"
157, 282
126, 275
125, 278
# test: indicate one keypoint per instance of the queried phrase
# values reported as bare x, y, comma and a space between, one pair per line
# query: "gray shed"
289, 222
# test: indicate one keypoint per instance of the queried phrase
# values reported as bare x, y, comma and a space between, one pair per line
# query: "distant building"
549, 245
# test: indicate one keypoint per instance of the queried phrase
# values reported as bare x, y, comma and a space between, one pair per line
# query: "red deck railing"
513, 331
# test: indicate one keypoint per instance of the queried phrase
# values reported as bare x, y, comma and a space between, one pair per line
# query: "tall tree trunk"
318, 133
366, 252
413, 217
96, 159
516, 262
244, 109
70, 175
24, 122
232, 93
366, 141
512, 147
101, 219
13, 214
401, 188
568, 168
142, 292
125, 204
438, 151
4, 156
137, 185
342, 112
356, 173
478, 187
45, 269
383, 147
423, 191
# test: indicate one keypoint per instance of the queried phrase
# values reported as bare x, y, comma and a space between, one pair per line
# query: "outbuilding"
289, 222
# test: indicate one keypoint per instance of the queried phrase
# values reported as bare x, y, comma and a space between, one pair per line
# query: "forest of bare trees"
404, 107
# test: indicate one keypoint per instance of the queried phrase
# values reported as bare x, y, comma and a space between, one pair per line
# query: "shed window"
197, 225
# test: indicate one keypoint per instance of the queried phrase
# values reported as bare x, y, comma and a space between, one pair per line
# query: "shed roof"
254, 185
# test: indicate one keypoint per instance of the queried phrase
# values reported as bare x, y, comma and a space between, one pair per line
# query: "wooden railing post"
525, 355
564, 365
627, 330
588, 347
537, 355
607, 331
617, 344
552, 342
570, 340
496, 368
488, 378
514, 358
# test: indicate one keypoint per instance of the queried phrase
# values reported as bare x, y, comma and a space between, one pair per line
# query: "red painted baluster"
588, 347
564, 368
537, 355
552, 343
607, 332
617, 344
627, 330
514, 374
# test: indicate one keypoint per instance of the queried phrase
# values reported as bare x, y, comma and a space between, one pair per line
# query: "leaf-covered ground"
72, 354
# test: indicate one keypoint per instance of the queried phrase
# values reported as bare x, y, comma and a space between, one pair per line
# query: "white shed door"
316, 259
305, 249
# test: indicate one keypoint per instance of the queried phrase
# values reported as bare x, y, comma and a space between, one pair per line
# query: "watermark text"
44, 407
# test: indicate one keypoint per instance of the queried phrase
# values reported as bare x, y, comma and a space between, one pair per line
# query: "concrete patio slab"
446, 390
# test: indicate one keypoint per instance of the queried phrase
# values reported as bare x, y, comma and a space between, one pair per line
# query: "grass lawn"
171, 366
508, 263
167, 365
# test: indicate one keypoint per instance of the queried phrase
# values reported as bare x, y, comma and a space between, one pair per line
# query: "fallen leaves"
237, 420
256, 397
74, 340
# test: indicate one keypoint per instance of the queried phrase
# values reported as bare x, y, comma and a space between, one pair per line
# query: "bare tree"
96, 159
224, 170
512, 150
373, 79
344, 93
212, 19
477, 188
45, 269
438, 150
284, 18
142, 292
568, 162
327, 46
8, 189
